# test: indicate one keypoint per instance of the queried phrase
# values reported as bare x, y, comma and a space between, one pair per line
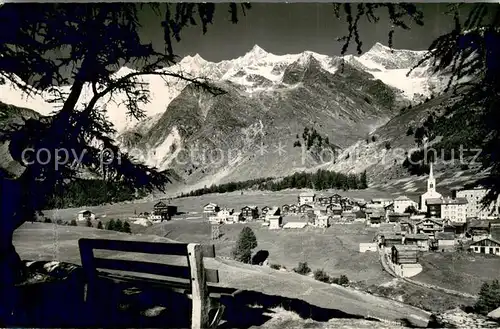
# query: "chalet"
210, 209
457, 228
293, 209
402, 203
391, 239
334, 209
164, 211
478, 229
225, 215
395, 217
374, 219
289, 209
486, 246
429, 226
420, 241
306, 198
324, 200
336, 198
275, 221
401, 254
85, 215
322, 221
250, 212
303, 208
445, 241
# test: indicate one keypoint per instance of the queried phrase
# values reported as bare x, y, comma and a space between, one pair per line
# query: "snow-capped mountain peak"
256, 70
256, 53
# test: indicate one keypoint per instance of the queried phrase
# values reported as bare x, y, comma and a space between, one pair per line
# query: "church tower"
431, 190
431, 181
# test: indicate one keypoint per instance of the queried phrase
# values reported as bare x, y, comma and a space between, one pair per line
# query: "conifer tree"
118, 226
99, 225
111, 225
126, 227
247, 241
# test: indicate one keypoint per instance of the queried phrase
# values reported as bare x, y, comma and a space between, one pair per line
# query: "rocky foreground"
457, 318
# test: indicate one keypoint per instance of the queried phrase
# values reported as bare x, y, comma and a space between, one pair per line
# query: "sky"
282, 28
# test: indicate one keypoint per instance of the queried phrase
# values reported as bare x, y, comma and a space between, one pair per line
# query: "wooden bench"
206, 307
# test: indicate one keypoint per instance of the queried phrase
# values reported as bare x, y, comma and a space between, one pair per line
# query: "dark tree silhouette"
111, 225
70, 31
126, 227
39, 45
118, 226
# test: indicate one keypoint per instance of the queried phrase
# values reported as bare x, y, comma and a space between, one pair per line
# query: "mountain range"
279, 113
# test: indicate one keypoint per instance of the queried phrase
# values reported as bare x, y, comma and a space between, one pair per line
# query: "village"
405, 227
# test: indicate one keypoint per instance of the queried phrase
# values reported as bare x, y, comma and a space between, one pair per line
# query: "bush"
321, 275
342, 280
47, 220
489, 297
410, 131
99, 225
89, 223
464, 167
59, 222
374, 138
410, 210
275, 266
111, 225
73, 223
387, 145
303, 269
247, 241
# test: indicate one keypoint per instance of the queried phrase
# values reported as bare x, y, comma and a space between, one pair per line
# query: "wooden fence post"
199, 294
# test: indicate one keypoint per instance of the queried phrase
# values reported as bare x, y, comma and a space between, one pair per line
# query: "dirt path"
384, 262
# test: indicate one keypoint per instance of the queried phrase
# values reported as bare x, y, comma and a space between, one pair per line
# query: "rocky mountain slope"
280, 113
257, 128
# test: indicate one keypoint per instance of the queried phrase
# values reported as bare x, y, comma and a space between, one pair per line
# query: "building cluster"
310, 209
437, 223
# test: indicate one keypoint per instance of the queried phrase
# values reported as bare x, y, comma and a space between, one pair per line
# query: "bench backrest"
91, 264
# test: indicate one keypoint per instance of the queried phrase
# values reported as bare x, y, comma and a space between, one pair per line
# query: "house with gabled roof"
421, 241
402, 202
250, 212
210, 208
429, 226
303, 208
306, 198
445, 241
485, 246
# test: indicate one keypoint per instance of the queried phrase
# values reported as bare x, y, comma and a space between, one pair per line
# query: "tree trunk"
11, 266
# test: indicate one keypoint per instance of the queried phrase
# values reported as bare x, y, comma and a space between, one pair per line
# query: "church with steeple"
431, 191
